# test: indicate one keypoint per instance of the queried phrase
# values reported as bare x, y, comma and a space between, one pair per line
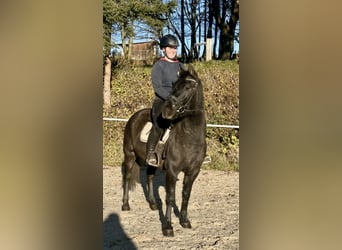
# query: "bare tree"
193, 28
218, 19
226, 13
183, 29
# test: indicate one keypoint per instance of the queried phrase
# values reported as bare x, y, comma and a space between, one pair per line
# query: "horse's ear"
192, 71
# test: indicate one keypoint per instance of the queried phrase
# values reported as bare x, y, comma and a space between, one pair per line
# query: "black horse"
184, 151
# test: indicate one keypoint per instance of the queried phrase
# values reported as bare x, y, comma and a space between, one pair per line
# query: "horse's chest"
187, 141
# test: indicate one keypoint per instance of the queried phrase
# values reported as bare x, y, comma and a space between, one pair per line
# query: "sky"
117, 39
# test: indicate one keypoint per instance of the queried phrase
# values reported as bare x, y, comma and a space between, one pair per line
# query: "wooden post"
106, 84
208, 49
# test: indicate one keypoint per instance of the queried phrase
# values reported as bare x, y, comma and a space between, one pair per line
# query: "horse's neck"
195, 113
193, 122
197, 102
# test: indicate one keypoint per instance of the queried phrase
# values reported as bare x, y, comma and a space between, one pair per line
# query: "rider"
164, 75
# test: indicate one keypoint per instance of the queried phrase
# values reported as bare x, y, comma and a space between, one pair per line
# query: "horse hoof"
125, 208
153, 206
186, 224
168, 232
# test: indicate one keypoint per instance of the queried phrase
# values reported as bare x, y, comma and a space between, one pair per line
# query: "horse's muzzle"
170, 108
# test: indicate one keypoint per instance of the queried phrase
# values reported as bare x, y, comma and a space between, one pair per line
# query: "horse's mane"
183, 73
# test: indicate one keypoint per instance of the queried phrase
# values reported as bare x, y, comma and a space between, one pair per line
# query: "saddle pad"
145, 132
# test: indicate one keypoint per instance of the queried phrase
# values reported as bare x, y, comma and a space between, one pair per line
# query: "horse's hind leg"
151, 172
187, 187
130, 176
125, 204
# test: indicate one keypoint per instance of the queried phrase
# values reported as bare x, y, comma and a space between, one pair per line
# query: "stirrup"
152, 161
207, 159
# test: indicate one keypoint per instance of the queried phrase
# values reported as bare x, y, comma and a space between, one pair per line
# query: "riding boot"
152, 157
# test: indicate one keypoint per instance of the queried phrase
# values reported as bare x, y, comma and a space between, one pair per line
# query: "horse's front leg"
151, 172
187, 187
170, 201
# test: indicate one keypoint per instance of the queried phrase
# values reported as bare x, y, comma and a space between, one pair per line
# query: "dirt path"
213, 212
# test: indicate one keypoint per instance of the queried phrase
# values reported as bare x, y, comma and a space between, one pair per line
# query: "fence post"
208, 49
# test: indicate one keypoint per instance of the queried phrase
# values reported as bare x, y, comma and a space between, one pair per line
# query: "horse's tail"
130, 174
134, 150
135, 176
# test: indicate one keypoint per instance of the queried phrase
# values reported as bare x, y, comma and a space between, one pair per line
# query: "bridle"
184, 109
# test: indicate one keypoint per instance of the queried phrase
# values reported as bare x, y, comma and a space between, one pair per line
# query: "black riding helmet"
168, 41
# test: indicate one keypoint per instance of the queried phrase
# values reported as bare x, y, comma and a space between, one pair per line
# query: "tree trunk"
210, 19
192, 21
225, 49
182, 31
227, 34
130, 45
199, 23
106, 83
234, 18
123, 41
205, 27
215, 41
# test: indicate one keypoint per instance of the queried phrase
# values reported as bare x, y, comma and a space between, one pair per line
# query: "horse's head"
181, 98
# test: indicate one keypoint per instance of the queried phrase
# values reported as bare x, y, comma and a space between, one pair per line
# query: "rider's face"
170, 52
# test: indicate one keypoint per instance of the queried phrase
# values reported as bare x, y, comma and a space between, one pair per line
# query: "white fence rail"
208, 125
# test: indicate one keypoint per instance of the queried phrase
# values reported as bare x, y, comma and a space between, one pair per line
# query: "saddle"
145, 132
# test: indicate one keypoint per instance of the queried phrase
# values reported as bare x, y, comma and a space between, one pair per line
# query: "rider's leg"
154, 136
